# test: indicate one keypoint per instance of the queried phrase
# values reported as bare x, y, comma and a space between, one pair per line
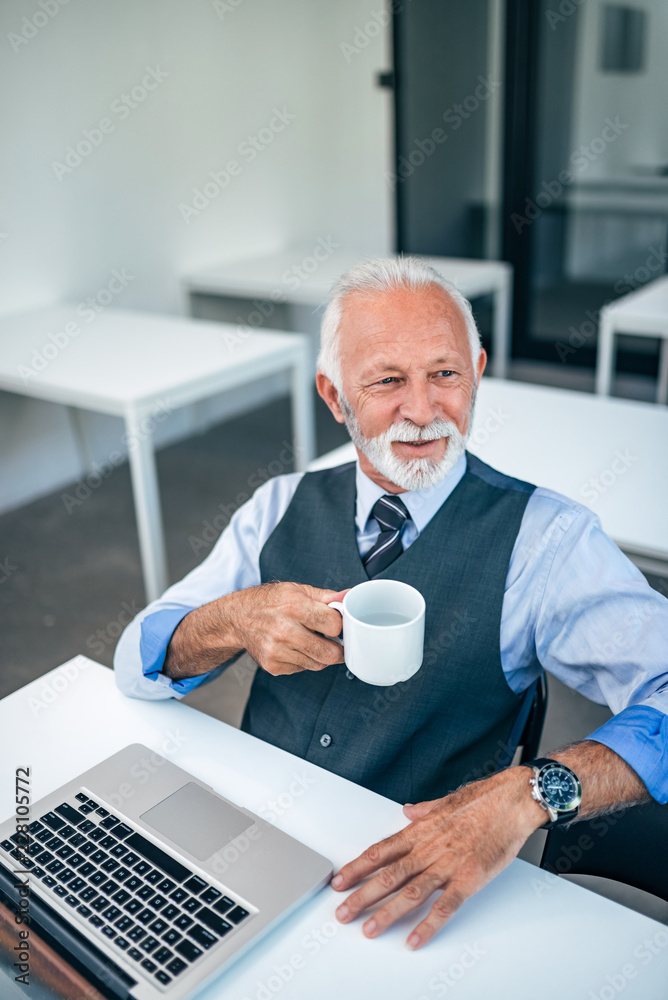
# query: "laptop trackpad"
197, 821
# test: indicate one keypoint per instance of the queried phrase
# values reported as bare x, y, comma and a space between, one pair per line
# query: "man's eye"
446, 371
386, 381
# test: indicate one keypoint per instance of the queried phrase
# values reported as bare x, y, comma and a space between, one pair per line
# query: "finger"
377, 856
320, 618
444, 907
413, 894
323, 596
418, 809
387, 881
318, 648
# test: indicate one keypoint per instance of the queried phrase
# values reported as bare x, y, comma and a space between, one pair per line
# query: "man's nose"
419, 405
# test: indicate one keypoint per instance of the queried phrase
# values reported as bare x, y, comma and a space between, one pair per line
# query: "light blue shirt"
573, 605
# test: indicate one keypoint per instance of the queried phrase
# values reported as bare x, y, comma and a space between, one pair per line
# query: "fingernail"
337, 881
343, 912
413, 942
370, 927
407, 804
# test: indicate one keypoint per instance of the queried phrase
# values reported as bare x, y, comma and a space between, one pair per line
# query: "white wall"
229, 64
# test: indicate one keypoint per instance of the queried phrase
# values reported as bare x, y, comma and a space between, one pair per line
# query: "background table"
525, 935
643, 313
136, 366
608, 454
273, 277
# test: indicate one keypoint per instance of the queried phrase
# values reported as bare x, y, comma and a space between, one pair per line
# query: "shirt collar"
422, 504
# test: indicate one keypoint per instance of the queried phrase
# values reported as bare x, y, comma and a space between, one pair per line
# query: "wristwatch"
557, 789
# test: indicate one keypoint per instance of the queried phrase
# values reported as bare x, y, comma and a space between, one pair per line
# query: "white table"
643, 313
273, 277
140, 367
525, 935
571, 442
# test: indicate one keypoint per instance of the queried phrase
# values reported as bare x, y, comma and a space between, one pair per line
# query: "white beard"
415, 473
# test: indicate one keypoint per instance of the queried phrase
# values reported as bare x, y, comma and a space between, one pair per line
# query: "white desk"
141, 366
522, 928
569, 442
272, 277
643, 313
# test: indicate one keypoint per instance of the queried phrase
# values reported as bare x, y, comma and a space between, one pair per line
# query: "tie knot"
390, 512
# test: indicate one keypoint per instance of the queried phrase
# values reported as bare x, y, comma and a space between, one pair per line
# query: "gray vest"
453, 720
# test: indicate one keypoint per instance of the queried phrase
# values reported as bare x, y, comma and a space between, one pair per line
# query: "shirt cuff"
639, 734
156, 631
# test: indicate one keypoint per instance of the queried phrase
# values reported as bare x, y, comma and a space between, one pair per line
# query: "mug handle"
339, 607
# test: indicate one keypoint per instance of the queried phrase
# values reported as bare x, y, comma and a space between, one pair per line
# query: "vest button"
349, 675
325, 740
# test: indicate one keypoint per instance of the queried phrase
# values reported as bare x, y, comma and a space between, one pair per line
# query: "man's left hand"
457, 843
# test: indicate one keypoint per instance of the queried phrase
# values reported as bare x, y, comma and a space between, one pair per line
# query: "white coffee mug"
383, 630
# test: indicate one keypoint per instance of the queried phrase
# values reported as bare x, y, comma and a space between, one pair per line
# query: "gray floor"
77, 575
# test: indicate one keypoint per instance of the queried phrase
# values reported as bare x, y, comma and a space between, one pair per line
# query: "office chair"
629, 846
528, 726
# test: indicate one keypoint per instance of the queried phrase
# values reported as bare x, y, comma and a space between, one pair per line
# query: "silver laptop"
147, 880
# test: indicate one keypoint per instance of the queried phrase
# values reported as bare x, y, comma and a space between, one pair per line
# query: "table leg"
662, 391
605, 354
303, 412
147, 505
501, 329
78, 430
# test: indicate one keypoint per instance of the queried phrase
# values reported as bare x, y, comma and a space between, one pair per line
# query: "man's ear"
482, 362
328, 391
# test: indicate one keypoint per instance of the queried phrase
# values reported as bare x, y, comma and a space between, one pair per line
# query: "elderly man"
516, 579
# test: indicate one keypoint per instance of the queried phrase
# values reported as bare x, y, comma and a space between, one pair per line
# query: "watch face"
560, 788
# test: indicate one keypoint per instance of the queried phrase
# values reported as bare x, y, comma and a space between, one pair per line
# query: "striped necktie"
391, 515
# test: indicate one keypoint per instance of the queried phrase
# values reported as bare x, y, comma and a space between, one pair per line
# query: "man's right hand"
277, 623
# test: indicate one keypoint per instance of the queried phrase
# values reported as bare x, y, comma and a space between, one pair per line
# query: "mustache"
406, 430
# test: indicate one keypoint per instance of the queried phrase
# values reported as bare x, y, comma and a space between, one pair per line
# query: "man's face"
407, 372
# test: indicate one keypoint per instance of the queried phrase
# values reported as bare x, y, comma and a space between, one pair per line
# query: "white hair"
383, 275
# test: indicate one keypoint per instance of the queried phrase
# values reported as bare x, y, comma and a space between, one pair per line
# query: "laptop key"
118, 851
178, 895
38, 872
146, 916
188, 950
65, 852
86, 827
135, 954
35, 826
163, 955
65, 875
54, 843
108, 843
172, 936
98, 857
211, 895
71, 900
131, 859
109, 821
109, 932
202, 936
87, 849
109, 887
136, 934
85, 809
195, 885
166, 885
76, 860
60, 890
157, 902
109, 865
67, 832
122, 830
80, 797
98, 878
88, 894
176, 966
121, 942
173, 868
191, 905
183, 922
84, 910
133, 906
149, 965
148, 944
112, 913
54, 822
101, 903
102, 812
135, 884
237, 914
97, 835
154, 877
170, 912
77, 884
121, 896
124, 924
87, 869
70, 814
213, 921
223, 904
44, 857
77, 840
162, 977
122, 873
96, 921
49, 882
141, 868
44, 835
159, 926
145, 892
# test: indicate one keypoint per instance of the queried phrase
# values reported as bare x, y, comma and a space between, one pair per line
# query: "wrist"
532, 815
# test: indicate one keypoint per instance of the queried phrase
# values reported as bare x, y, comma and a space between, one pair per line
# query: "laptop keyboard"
156, 911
